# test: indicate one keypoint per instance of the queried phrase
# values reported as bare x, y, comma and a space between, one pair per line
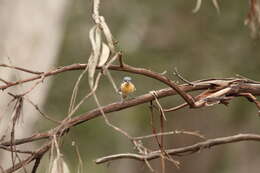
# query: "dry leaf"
104, 54
215, 3
199, 2
95, 39
197, 7
91, 70
59, 166
107, 33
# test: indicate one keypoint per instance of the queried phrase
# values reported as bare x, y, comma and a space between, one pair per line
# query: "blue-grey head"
127, 79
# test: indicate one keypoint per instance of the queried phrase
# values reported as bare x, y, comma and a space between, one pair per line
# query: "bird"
126, 87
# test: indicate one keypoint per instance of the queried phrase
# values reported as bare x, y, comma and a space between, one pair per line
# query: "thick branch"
183, 150
241, 87
113, 107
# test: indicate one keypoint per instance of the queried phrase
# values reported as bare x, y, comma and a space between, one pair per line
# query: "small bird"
126, 87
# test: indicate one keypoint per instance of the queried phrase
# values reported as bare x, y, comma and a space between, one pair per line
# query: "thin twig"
86, 96
181, 77
176, 108
162, 118
75, 92
107, 120
121, 60
4, 81
41, 112
34, 86
107, 72
80, 161
170, 133
17, 150
37, 163
158, 103
21, 69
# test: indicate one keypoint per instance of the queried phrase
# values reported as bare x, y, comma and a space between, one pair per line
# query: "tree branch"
183, 150
242, 87
113, 107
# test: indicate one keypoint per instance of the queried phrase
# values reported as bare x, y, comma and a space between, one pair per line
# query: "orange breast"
127, 87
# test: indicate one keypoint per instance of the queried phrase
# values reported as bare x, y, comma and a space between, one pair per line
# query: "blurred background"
158, 36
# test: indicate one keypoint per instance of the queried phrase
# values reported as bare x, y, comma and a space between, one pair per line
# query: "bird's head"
127, 79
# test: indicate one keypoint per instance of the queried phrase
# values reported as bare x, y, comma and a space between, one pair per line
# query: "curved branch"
183, 150
127, 68
249, 85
